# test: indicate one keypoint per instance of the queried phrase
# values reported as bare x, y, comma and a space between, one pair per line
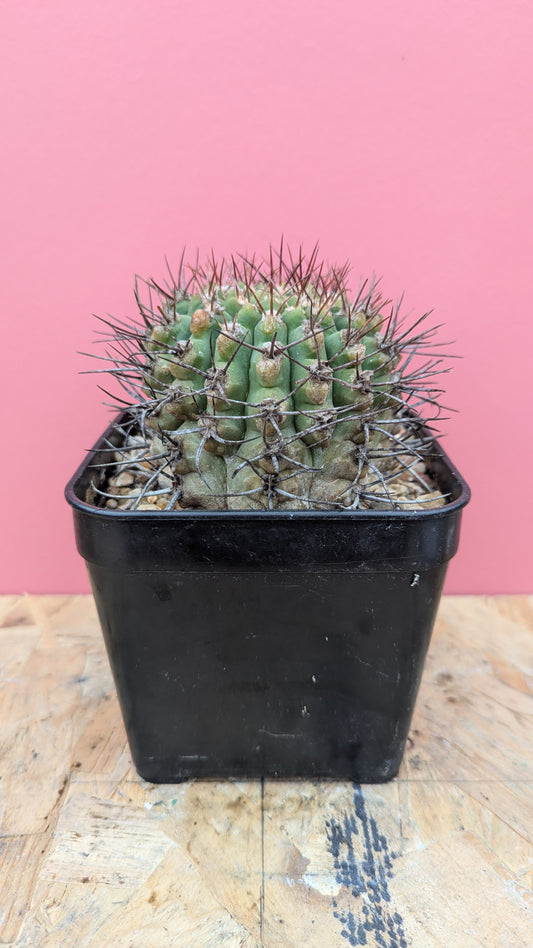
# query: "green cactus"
263, 385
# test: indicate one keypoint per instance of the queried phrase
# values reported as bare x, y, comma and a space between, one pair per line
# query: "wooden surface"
90, 855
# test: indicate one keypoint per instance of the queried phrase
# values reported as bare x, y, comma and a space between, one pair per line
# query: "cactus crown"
262, 384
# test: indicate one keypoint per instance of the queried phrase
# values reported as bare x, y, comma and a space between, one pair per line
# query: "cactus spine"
263, 385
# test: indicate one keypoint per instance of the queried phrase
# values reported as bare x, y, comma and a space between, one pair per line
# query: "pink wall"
398, 134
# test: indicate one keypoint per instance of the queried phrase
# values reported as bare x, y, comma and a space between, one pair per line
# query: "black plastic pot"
258, 643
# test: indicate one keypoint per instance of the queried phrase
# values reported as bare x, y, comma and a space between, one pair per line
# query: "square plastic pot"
263, 643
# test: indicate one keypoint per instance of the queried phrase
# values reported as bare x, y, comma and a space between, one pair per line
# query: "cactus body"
264, 386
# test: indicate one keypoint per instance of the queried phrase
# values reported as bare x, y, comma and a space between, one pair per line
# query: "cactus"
261, 384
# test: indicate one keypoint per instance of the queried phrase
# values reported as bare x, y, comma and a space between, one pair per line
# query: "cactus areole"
268, 522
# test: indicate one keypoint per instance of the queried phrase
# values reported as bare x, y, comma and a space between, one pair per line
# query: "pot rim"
460, 489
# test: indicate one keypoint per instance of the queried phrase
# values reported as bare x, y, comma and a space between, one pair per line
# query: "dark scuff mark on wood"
364, 865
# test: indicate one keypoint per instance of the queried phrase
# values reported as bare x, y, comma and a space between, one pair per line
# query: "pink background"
397, 134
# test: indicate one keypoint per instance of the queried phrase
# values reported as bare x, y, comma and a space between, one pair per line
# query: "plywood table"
90, 855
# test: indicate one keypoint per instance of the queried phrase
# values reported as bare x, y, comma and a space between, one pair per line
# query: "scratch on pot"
292, 735
372, 665
363, 865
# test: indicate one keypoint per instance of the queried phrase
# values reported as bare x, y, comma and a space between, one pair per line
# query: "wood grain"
91, 855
